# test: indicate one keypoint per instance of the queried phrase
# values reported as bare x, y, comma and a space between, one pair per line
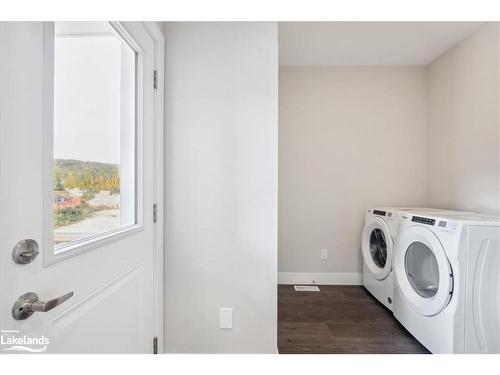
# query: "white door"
77, 185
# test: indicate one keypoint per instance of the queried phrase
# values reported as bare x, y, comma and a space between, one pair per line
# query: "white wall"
349, 138
221, 185
464, 124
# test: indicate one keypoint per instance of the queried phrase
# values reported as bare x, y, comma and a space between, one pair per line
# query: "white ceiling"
368, 43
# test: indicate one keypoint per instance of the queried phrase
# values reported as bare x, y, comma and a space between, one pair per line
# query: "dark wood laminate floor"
339, 319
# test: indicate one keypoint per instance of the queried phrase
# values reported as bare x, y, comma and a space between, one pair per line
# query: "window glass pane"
94, 132
422, 269
378, 247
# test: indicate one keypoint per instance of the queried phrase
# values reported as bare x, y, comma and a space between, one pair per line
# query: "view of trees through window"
82, 189
94, 131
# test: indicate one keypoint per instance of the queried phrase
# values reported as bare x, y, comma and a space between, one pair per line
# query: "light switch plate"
225, 318
324, 254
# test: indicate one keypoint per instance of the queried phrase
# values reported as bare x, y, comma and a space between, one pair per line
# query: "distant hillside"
86, 175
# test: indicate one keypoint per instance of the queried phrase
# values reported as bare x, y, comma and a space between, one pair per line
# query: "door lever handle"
29, 303
49, 305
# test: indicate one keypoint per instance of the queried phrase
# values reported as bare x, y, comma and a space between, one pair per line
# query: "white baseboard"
320, 278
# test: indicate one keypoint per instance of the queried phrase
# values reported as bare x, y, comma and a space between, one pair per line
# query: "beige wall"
464, 148
349, 138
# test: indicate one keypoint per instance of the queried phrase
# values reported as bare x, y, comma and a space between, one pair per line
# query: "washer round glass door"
376, 247
423, 272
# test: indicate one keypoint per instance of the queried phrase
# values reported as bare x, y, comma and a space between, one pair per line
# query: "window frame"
53, 254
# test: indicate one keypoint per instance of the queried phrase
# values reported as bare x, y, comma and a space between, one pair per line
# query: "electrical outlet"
324, 254
225, 318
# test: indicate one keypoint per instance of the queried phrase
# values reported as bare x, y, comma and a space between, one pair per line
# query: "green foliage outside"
70, 215
88, 195
58, 185
91, 178
86, 175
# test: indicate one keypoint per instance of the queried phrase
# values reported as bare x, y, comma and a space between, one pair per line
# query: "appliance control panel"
379, 212
423, 220
441, 225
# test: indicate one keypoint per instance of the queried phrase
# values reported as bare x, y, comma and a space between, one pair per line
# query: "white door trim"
159, 250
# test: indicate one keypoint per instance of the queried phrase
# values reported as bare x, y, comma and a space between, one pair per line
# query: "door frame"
156, 34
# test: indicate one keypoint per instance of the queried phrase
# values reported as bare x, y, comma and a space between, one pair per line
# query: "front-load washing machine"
447, 281
377, 241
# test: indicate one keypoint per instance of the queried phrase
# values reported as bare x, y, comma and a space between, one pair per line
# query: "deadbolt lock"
25, 251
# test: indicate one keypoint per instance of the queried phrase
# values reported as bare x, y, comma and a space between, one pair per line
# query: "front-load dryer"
377, 241
447, 281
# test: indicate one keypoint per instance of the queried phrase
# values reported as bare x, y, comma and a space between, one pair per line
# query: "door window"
95, 96
422, 269
378, 247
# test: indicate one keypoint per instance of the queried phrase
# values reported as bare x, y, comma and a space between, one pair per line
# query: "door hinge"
155, 345
155, 79
155, 213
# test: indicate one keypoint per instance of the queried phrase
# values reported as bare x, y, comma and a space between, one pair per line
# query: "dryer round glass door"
376, 247
422, 271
